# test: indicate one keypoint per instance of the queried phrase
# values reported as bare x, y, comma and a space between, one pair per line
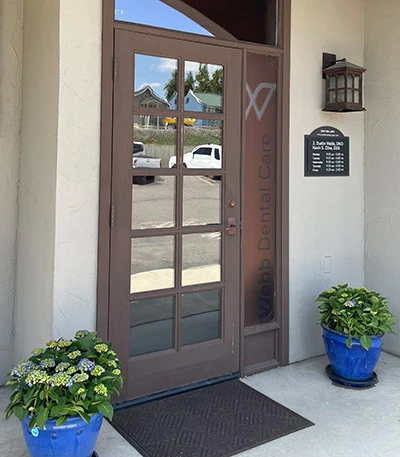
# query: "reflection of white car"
140, 160
138, 149
203, 156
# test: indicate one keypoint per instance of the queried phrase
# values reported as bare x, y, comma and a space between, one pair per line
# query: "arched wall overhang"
253, 21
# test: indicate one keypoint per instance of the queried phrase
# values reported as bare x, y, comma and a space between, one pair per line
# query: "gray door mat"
220, 420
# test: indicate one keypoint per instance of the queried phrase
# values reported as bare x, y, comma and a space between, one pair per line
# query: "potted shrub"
61, 394
354, 322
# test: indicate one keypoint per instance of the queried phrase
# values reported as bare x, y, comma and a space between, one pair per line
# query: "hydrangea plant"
66, 378
358, 313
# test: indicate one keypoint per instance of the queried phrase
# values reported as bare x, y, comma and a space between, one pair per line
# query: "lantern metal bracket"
328, 60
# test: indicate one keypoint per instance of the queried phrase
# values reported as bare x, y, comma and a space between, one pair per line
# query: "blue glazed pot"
353, 363
76, 438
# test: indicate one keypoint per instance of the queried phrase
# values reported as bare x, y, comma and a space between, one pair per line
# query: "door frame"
282, 165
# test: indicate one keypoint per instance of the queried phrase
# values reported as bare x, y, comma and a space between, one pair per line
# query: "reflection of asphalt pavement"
152, 321
153, 207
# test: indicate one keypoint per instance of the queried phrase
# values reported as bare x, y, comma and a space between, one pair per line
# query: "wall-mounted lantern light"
343, 84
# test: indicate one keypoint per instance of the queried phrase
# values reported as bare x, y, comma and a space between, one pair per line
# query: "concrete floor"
350, 423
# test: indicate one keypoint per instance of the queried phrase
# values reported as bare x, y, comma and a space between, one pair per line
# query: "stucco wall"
382, 154
57, 240
75, 275
10, 126
326, 213
36, 225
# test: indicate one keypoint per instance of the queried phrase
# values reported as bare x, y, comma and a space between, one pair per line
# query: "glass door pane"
153, 263
151, 325
201, 317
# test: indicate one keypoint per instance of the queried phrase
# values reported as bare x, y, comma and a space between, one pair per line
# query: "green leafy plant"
66, 378
358, 313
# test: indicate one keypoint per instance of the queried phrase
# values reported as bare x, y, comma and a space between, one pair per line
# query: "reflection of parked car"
140, 160
138, 149
203, 156
146, 162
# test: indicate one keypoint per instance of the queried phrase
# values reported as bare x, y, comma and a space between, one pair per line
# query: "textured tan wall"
10, 127
326, 213
75, 275
382, 154
36, 226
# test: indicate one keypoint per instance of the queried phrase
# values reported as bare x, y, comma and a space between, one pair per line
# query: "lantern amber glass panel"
343, 87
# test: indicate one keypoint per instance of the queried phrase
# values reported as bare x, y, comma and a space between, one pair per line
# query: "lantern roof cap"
343, 64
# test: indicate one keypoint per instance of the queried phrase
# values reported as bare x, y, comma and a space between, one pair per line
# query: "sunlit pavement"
348, 422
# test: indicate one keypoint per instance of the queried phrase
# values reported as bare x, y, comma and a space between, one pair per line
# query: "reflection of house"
147, 98
201, 101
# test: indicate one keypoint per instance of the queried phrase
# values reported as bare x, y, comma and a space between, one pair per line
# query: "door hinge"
115, 69
112, 215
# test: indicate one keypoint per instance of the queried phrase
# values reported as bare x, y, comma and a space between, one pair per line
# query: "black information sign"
326, 153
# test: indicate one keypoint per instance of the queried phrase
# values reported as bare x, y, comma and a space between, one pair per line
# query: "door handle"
230, 230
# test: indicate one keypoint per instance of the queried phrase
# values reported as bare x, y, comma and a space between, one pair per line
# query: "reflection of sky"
156, 71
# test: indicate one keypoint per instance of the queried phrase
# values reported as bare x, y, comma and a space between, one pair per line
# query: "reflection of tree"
202, 82
217, 82
203, 79
189, 82
171, 85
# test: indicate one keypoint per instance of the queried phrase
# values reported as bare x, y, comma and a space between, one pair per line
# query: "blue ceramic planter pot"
75, 438
353, 363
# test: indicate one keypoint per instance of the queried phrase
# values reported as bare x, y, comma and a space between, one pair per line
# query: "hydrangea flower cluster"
61, 379
80, 377
62, 366
65, 378
36, 377
47, 363
85, 365
23, 367
74, 355
98, 370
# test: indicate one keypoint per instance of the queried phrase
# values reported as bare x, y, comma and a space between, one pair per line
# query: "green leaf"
385, 328
365, 341
32, 422
20, 412
9, 411
53, 395
58, 411
29, 394
106, 409
42, 416
84, 416
74, 388
77, 409
348, 342
61, 420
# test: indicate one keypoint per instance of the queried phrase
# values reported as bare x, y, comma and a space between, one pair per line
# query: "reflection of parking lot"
154, 207
152, 321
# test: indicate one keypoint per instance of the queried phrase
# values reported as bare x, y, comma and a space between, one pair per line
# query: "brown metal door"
175, 241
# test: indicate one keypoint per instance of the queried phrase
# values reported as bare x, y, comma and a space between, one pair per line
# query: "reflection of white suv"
203, 156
